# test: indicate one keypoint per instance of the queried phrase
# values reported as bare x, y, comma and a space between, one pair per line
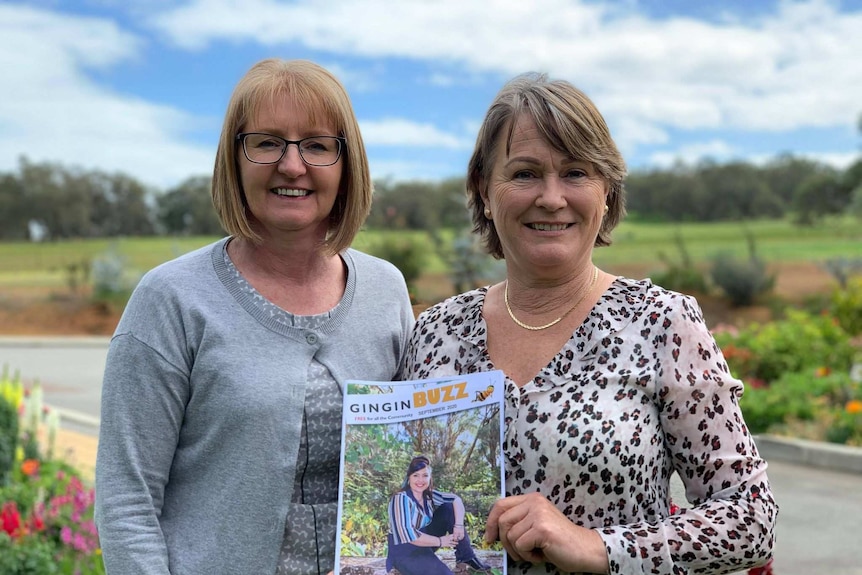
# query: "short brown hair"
324, 96
569, 121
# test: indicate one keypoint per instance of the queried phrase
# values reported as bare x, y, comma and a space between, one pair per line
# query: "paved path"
820, 523
820, 520
69, 371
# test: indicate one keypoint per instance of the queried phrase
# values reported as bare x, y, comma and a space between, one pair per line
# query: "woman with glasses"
221, 404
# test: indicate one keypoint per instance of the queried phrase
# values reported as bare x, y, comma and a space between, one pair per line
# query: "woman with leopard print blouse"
612, 384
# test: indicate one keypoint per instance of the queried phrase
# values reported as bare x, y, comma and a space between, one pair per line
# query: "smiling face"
420, 480
289, 196
546, 206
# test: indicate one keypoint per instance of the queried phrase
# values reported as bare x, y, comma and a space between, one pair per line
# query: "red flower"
10, 519
765, 570
756, 383
37, 523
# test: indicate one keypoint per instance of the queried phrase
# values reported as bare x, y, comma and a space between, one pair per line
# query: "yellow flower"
11, 391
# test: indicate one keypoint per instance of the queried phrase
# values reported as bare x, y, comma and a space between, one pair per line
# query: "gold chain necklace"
559, 319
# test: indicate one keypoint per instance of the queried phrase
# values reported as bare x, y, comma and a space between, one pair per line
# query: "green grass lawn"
775, 241
52, 264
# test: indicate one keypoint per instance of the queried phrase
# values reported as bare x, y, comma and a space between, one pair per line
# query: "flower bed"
801, 377
46, 508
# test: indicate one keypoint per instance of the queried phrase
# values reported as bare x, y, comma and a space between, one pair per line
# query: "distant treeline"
54, 202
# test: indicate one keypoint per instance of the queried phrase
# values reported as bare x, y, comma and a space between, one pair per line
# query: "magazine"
415, 457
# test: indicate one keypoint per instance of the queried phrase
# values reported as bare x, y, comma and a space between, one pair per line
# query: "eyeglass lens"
314, 151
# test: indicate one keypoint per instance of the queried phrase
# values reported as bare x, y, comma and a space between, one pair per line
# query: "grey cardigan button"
311, 338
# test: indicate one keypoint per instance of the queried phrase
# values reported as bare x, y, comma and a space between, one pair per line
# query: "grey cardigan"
202, 406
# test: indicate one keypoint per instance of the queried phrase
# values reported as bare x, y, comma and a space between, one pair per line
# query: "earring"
487, 213
606, 209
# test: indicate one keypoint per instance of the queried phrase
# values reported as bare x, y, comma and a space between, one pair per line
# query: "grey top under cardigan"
202, 410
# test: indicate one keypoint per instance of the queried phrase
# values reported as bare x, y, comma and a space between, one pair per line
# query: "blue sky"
140, 86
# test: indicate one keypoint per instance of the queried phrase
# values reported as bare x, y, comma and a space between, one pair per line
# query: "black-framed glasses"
262, 148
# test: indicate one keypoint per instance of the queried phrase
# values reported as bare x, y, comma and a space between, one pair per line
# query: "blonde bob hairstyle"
568, 121
325, 100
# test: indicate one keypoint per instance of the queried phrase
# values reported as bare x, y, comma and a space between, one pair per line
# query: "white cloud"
721, 151
51, 110
715, 149
398, 171
365, 80
795, 68
838, 160
401, 132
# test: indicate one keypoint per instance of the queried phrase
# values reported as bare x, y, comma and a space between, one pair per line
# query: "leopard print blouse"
639, 391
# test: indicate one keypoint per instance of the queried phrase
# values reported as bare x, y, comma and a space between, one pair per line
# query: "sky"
140, 86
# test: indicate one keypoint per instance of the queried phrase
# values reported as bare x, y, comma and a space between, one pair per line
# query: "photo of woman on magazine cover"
422, 467
423, 520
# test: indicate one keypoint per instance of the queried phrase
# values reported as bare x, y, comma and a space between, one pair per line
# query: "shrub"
800, 395
8, 426
407, 254
846, 427
108, 275
469, 264
741, 281
846, 306
46, 511
34, 558
763, 353
842, 269
680, 276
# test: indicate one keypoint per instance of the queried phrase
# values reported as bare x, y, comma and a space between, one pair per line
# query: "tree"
737, 191
856, 202
852, 177
188, 209
784, 174
818, 195
419, 205
673, 195
14, 211
60, 199
120, 206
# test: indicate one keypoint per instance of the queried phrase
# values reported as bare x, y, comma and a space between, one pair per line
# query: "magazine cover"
421, 466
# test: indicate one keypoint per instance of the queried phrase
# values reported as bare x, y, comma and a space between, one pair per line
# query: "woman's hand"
448, 540
458, 532
532, 529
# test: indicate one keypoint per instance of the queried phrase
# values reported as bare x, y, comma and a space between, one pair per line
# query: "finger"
513, 524
526, 543
492, 528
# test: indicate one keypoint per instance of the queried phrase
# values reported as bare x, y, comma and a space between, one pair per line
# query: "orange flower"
822, 371
30, 467
854, 406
